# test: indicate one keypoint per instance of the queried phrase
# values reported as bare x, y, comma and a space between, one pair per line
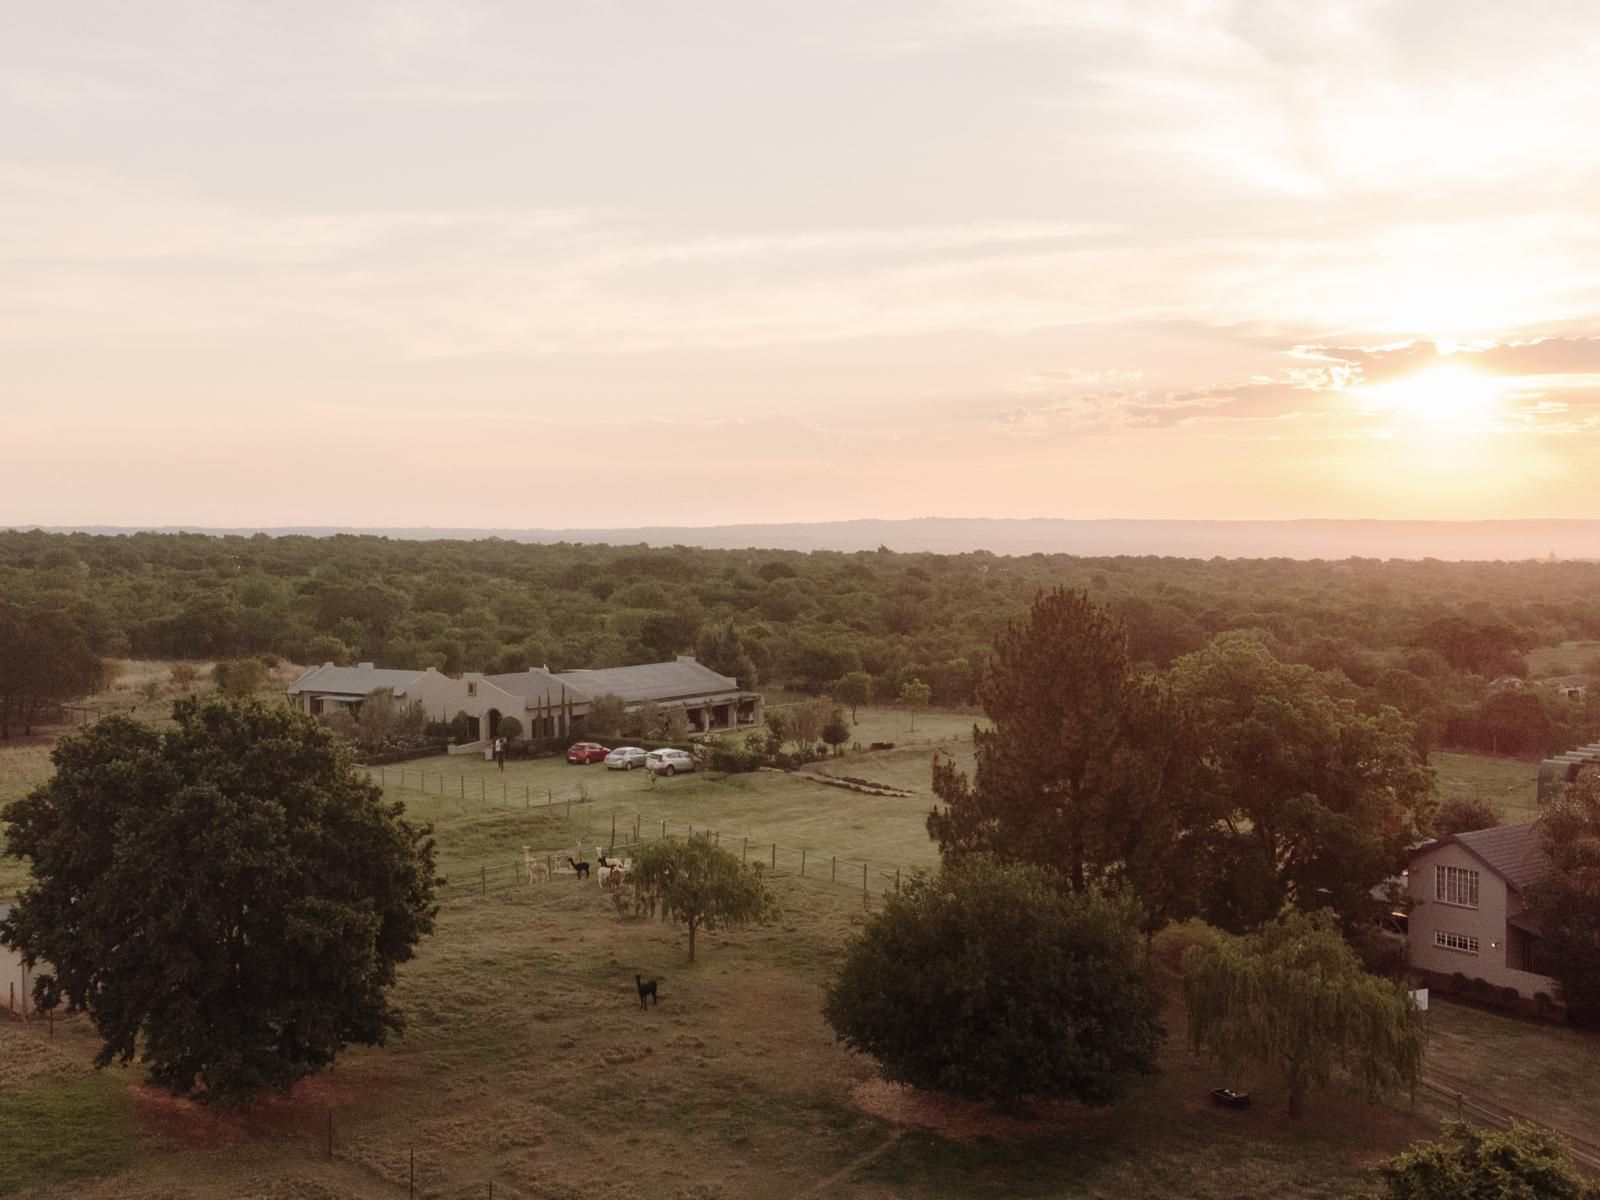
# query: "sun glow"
1443, 399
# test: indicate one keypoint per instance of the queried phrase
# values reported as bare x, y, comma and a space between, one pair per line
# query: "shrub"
510, 729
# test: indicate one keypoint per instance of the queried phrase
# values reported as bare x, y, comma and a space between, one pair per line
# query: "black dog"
581, 868
646, 989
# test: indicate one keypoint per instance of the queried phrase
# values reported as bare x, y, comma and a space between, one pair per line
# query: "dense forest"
1427, 637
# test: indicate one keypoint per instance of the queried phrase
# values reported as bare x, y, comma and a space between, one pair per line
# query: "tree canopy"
1310, 801
1294, 999
1084, 766
228, 900
1520, 1163
698, 885
990, 981
1566, 902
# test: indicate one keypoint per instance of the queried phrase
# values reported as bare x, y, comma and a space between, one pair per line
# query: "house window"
472, 689
1456, 885
1455, 941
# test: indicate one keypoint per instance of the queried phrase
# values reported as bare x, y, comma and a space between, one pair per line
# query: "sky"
463, 264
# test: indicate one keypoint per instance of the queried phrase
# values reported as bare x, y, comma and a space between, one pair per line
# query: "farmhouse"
1571, 687
1468, 911
548, 704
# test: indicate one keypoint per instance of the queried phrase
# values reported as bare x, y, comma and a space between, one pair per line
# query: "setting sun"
1446, 398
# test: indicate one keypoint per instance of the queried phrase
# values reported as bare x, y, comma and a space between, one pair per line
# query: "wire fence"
631, 830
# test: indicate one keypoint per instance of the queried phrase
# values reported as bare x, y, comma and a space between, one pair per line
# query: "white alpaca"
538, 870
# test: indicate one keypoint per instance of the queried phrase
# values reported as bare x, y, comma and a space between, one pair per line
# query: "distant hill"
1328, 539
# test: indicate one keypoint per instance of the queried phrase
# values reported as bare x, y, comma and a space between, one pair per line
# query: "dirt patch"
965, 1120
179, 1121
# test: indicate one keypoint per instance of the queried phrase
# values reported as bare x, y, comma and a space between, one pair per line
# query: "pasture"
528, 1064
1508, 785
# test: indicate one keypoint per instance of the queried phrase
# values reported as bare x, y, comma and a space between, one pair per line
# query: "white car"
669, 762
626, 758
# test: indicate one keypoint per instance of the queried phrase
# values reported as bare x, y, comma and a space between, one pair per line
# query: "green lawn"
1544, 1072
1509, 785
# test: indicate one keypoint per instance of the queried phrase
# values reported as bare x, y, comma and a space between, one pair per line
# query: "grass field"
527, 1062
1509, 785
1568, 658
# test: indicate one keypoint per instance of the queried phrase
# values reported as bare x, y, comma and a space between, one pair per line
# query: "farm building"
1468, 914
1563, 769
547, 703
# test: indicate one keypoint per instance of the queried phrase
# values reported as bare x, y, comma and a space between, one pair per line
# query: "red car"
584, 753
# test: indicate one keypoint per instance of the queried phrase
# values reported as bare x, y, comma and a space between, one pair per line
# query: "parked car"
626, 758
669, 762
584, 753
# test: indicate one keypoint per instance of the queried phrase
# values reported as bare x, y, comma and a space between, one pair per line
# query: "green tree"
721, 649
1294, 998
227, 900
991, 982
853, 690
698, 885
183, 676
1520, 1163
834, 730
1465, 816
1311, 802
1083, 767
240, 677
605, 716
914, 697
1566, 901
806, 720
47, 657
510, 729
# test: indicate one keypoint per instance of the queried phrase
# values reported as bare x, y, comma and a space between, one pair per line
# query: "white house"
1468, 912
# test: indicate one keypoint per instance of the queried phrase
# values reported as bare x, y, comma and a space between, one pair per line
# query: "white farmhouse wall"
1487, 923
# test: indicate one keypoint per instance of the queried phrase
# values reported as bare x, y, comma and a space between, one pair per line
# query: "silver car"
626, 758
669, 762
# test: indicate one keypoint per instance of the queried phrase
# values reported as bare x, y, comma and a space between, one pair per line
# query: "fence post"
663, 830
774, 856
402, 777
569, 808
744, 855
635, 827
863, 881
383, 777
483, 877
502, 791
833, 873
463, 779
802, 862
897, 881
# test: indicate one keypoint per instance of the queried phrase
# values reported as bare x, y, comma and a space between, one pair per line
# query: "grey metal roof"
353, 681
1513, 852
537, 687
650, 681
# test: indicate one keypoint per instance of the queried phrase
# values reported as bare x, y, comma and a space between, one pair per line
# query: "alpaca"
537, 870
646, 989
612, 879
582, 868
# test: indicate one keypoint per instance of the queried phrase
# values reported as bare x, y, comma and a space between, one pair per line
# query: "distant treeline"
1425, 636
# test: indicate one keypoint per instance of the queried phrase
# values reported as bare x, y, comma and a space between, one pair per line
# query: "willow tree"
1083, 767
1294, 999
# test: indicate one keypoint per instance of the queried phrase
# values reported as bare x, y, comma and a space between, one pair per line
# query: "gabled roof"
650, 681
353, 681
536, 686
1513, 852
